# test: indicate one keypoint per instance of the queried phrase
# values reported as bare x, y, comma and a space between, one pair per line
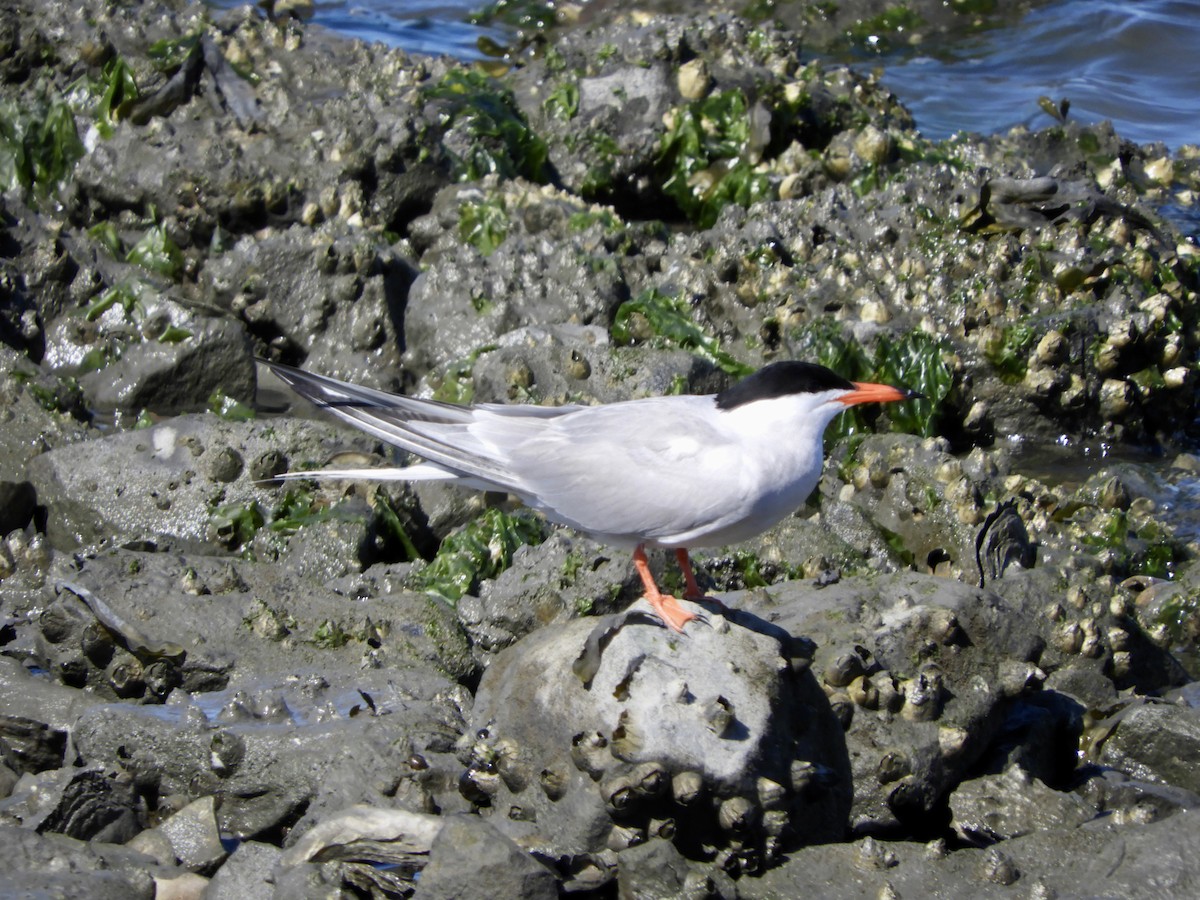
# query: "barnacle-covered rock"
937, 661
639, 746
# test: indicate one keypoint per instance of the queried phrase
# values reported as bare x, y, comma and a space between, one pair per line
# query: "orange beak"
866, 392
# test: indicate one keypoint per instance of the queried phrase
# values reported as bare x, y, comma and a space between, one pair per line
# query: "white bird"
671, 472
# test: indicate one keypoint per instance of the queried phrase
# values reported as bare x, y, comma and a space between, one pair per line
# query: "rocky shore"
965, 668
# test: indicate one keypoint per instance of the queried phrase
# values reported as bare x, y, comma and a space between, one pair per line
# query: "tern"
670, 472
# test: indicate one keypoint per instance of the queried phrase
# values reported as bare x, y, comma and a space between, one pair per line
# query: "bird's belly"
755, 515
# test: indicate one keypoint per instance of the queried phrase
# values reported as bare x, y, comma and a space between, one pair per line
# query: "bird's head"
809, 392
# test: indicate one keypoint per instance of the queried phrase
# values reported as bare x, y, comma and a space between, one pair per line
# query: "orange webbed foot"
669, 610
666, 606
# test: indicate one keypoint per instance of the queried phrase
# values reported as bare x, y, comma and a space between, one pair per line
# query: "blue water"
436, 27
1136, 63
419, 26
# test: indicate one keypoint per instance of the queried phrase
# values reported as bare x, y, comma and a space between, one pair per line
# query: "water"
435, 27
418, 26
1135, 62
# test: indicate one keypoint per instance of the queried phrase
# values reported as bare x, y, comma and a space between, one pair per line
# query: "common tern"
670, 472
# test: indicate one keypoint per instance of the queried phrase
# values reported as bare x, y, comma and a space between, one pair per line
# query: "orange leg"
693, 589
685, 566
665, 605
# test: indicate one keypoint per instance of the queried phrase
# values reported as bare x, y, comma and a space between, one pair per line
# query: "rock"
17, 499
8, 779
923, 711
176, 377
55, 706
57, 866
654, 870
1097, 860
456, 311
389, 836
998, 807
1154, 742
1041, 736
246, 874
652, 205
308, 289
30, 745
151, 485
499, 868
646, 708
1131, 801
195, 836
547, 583
91, 804
188, 886
154, 843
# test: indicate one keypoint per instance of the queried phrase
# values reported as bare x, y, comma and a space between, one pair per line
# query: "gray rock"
655, 870
154, 484
497, 867
246, 874
96, 885
455, 309
1155, 742
180, 376
40, 707
28, 427
1100, 860
154, 843
305, 680
920, 670
195, 836
1041, 736
998, 807
88, 804
335, 295
688, 735
266, 771
1131, 801
8, 779
30, 745
17, 499
1086, 682
550, 582
183, 886
56, 866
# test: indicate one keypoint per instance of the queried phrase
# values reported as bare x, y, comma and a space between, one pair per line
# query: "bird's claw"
673, 615
705, 598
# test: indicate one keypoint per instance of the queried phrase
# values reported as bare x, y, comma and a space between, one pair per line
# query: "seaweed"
708, 157
484, 223
912, 359
666, 320
480, 550
157, 252
229, 409
500, 139
39, 146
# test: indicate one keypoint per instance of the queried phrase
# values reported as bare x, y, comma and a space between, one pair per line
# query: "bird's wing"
642, 470
439, 432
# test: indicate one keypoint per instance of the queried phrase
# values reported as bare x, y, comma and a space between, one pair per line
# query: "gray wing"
642, 470
645, 470
439, 432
